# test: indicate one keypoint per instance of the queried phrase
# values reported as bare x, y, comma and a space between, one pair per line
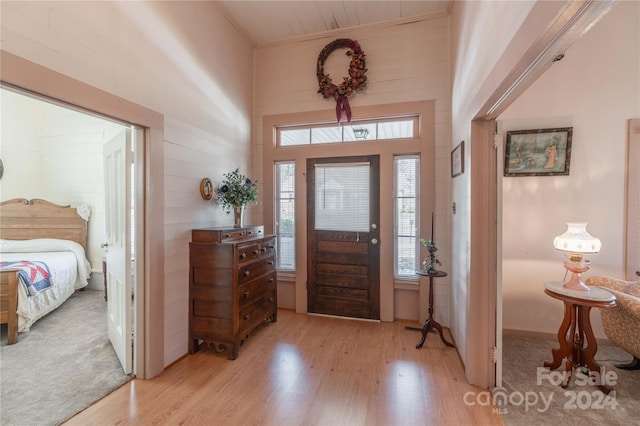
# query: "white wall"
408, 62
181, 59
20, 146
595, 89
480, 33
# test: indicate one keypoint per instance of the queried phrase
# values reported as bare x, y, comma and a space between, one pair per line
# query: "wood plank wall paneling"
157, 59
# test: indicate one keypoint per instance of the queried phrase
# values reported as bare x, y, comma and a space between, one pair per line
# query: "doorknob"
374, 226
374, 241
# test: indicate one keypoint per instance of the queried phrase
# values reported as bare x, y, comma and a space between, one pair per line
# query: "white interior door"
117, 177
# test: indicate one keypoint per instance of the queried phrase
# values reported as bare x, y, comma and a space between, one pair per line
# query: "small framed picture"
457, 160
206, 189
544, 152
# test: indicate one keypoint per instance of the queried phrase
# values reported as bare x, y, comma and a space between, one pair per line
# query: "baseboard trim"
340, 317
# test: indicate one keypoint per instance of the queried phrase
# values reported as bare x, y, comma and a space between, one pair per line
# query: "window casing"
406, 172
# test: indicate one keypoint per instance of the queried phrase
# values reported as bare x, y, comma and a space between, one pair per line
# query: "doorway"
43, 82
343, 232
59, 151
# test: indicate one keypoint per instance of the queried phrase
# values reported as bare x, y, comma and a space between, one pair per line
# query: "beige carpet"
61, 366
532, 397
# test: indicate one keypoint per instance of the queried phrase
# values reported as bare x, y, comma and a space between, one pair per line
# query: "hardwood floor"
307, 370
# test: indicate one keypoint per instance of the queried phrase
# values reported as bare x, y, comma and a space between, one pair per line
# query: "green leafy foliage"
429, 263
236, 190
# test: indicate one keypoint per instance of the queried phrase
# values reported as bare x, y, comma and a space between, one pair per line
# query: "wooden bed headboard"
22, 219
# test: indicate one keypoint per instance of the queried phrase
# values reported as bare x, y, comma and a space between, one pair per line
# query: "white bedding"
69, 270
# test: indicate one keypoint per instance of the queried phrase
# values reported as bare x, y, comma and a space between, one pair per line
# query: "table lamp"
576, 241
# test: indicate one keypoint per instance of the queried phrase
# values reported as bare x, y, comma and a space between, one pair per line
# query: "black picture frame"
457, 160
540, 152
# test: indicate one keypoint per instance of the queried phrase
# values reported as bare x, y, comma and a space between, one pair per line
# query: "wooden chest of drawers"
232, 285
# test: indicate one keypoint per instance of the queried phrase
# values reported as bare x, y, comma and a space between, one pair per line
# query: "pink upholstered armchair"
622, 323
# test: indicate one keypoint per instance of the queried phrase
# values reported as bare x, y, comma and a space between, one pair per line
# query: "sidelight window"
406, 214
285, 215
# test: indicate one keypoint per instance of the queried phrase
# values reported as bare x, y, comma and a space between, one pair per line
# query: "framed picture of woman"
544, 152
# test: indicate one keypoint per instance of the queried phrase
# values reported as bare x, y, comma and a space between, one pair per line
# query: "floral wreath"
357, 80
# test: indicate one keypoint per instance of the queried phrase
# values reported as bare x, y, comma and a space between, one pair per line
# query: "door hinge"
496, 140
495, 354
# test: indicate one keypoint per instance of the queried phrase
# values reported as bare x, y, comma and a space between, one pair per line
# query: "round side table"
431, 323
575, 329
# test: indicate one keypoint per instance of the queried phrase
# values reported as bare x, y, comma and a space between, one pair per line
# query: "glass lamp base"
576, 268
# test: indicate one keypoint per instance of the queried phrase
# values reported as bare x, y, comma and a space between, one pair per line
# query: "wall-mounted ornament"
457, 160
357, 80
206, 189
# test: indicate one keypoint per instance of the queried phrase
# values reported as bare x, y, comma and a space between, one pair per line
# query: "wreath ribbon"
357, 80
342, 104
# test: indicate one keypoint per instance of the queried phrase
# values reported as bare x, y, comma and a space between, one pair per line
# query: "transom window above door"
405, 127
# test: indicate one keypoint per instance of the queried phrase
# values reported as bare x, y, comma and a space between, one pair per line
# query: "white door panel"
117, 161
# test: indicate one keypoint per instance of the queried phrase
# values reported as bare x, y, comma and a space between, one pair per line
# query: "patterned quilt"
34, 274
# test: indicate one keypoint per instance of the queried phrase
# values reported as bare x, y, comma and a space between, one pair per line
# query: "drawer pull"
246, 316
246, 273
263, 249
227, 235
270, 262
246, 294
270, 280
271, 299
243, 255
255, 252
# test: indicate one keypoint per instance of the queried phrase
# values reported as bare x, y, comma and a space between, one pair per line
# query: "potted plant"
429, 263
235, 192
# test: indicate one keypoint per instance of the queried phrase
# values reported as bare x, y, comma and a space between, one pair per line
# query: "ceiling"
265, 22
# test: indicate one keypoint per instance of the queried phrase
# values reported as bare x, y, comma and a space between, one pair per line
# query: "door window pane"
342, 197
395, 129
326, 134
360, 132
290, 137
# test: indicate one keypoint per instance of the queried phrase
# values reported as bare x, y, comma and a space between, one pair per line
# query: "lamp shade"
577, 240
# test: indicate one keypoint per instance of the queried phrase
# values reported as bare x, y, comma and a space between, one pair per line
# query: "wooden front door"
343, 235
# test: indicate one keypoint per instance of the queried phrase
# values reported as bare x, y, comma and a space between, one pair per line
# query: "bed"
42, 260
